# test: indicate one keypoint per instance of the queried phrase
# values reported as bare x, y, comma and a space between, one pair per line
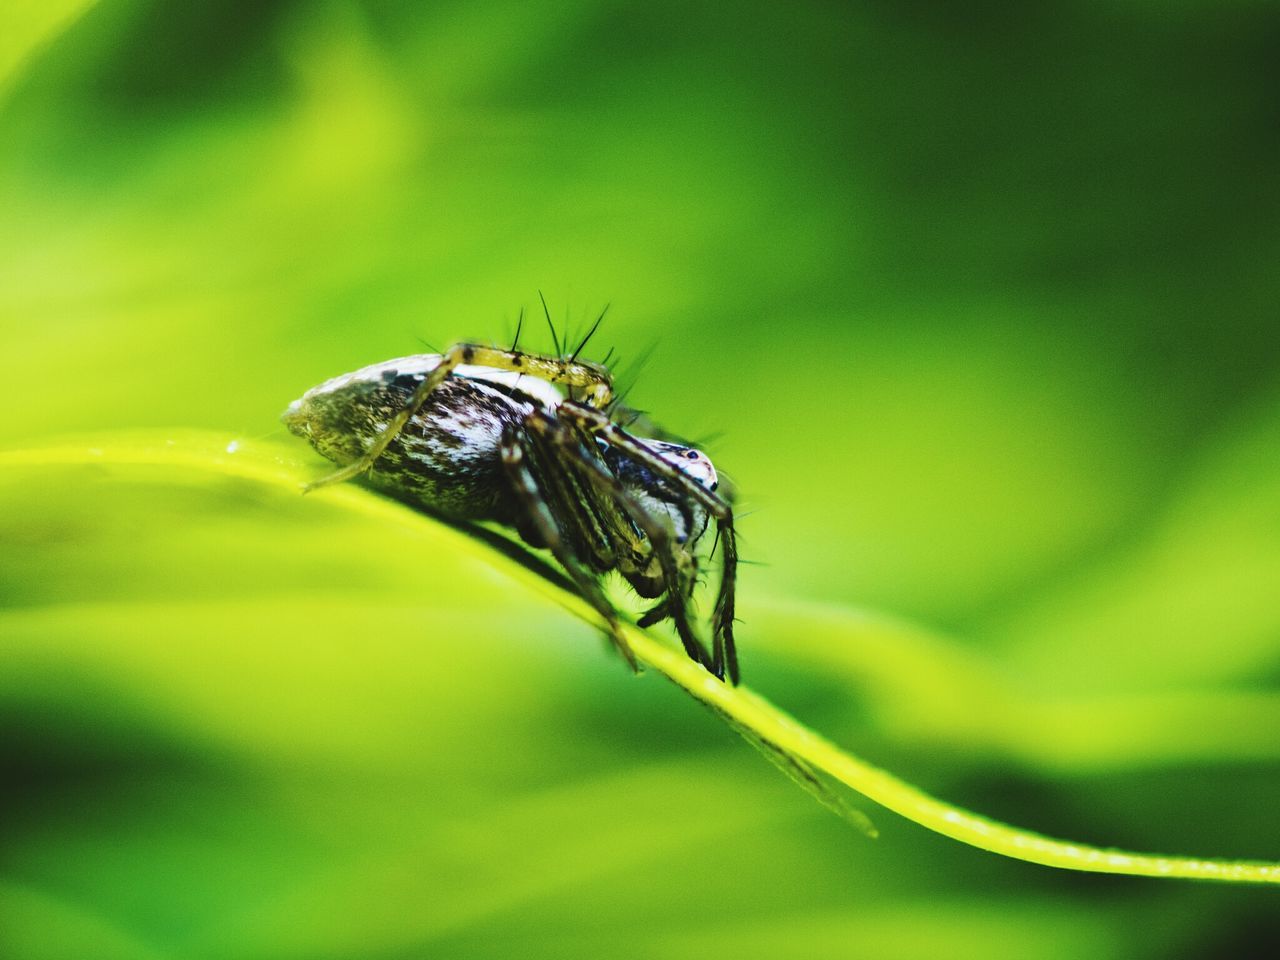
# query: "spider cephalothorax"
531, 441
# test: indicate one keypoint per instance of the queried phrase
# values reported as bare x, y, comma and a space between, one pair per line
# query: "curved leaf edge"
789, 743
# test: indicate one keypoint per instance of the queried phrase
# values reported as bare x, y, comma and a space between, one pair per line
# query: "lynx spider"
533, 441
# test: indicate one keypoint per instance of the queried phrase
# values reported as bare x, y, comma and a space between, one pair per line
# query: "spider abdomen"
445, 458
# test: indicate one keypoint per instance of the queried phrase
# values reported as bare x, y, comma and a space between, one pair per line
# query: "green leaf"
179, 458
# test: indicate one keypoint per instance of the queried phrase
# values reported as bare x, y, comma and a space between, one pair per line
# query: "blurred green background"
982, 301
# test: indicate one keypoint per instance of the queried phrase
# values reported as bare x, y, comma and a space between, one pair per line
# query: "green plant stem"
742, 707
906, 800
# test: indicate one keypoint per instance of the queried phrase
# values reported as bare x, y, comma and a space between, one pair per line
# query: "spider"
533, 442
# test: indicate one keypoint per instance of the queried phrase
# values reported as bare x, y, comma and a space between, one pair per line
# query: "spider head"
661, 497
687, 460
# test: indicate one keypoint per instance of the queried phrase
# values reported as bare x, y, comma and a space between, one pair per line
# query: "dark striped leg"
598, 424
676, 579
542, 519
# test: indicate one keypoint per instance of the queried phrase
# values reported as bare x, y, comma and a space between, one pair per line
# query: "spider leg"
540, 515
725, 653
593, 380
656, 532
654, 615
723, 617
